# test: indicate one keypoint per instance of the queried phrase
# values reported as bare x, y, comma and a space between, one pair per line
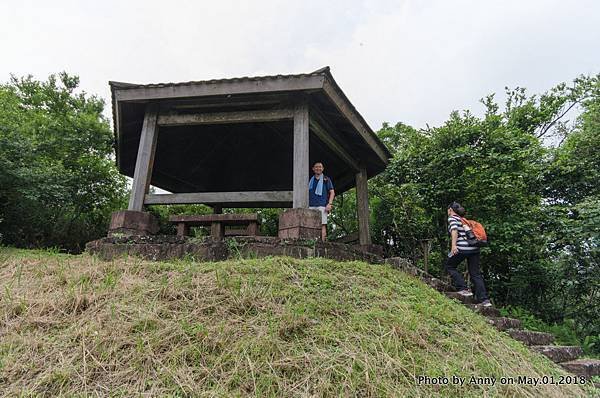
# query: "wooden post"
145, 159
301, 166
217, 230
252, 229
183, 229
362, 207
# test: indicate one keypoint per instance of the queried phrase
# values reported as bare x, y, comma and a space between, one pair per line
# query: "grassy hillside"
270, 327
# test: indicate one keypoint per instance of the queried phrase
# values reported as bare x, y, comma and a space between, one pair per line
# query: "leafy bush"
58, 181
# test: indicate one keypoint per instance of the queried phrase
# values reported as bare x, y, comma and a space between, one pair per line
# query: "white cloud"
411, 61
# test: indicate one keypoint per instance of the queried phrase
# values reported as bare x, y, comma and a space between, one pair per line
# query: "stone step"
438, 284
485, 311
559, 353
461, 298
502, 323
529, 337
583, 367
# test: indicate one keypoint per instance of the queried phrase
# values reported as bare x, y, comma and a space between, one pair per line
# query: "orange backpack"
476, 235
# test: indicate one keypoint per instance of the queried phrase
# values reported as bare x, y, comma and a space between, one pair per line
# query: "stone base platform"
300, 224
169, 247
131, 222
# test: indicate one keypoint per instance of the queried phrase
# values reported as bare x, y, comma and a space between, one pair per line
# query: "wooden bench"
217, 222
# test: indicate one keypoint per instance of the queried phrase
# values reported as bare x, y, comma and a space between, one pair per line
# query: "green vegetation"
565, 332
58, 183
526, 173
524, 170
74, 325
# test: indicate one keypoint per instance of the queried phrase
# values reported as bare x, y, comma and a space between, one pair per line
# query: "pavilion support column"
145, 159
134, 221
300, 222
362, 207
301, 166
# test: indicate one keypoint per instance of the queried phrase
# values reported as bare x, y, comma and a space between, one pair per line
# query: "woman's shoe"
486, 303
465, 292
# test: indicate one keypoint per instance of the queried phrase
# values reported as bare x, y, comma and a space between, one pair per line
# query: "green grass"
75, 325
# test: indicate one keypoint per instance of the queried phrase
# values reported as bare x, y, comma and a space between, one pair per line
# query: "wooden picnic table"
217, 222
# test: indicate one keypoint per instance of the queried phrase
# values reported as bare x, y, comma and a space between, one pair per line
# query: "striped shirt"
455, 223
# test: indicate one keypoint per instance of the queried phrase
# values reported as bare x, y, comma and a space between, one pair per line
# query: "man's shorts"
323, 213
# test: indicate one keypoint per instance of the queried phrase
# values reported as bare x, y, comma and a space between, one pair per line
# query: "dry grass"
77, 326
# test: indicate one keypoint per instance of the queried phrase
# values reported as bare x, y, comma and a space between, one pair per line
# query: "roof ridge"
122, 85
325, 69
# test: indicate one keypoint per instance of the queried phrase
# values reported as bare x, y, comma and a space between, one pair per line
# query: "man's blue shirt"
315, 200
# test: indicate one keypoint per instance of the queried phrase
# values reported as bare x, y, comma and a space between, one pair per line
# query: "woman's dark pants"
475, 273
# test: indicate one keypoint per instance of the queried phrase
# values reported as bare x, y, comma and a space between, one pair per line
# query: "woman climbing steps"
461, 250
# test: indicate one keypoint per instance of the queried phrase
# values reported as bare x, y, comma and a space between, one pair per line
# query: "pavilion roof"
245, 156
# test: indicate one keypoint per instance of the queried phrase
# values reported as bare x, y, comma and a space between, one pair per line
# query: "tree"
528, 175
574, 172
58, 183
572, 230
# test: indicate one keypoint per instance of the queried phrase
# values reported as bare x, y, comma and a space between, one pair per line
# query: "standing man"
320, 195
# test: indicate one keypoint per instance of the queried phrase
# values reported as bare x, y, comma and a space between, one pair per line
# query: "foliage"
565, 333
269, 220
342, 220
58, 183
162, 213
575, 248
482, 163
528, 175
574, 172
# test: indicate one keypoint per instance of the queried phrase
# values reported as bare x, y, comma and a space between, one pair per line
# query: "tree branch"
552, 123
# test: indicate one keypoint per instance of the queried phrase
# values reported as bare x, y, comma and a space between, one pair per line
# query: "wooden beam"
257, 101
205, 219
301, 148
145, 159
324, 136
362, 207
225, 87
219, 197
174, 119
343, 106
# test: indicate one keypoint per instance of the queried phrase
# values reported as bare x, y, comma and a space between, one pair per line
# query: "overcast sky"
410, 61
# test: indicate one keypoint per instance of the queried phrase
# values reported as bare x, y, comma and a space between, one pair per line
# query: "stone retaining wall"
168, 247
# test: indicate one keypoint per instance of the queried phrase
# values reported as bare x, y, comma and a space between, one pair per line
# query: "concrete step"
485, 311
461, 298
559, 353
583, 367
529, 337
502, 323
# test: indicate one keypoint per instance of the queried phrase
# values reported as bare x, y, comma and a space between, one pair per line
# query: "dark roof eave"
323, 72
116, 134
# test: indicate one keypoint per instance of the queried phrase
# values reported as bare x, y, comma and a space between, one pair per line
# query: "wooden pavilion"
242, 142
